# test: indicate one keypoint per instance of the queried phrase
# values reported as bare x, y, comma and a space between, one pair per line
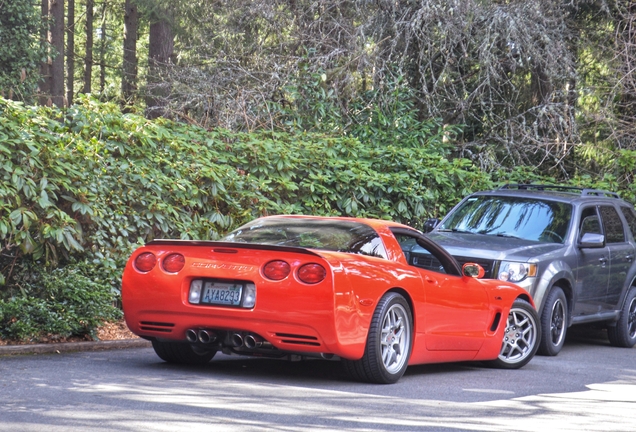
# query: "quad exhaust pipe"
236, 339
202, 336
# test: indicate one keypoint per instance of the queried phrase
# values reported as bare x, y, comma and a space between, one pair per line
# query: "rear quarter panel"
359, 284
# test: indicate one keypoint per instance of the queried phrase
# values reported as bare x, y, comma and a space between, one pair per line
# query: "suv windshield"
524, 218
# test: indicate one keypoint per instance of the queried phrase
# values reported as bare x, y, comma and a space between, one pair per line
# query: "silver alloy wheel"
520, 336
557, 322
395, 338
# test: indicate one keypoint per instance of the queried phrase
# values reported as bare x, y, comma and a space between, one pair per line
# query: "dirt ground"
108, 331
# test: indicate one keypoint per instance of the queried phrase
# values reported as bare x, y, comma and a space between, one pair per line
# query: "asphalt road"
590, 386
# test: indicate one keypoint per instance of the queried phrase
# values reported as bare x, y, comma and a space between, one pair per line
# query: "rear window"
524, 218
312, 233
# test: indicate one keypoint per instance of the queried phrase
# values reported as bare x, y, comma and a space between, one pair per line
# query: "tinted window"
631, 219
310, 233
590, 222
612, 225
529, 219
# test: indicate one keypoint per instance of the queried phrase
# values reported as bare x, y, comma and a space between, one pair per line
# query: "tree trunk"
160, 51
70, 52
129, 78
56, 9
45, 66
102, 52
88, 60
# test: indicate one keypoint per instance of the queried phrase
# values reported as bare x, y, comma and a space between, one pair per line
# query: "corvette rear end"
232, 296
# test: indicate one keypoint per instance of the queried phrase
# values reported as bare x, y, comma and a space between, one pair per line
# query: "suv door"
621, 253
593, 272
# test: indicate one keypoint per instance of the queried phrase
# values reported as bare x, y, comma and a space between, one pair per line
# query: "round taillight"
312, 273
276, 270
173, 263
145, 262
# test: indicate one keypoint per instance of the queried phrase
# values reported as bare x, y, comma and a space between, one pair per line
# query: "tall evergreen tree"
56, 39
160, 53
129, 76
88, 58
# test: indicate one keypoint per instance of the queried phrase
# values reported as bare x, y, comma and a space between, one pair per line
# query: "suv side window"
612, 225
590, 222
631, 219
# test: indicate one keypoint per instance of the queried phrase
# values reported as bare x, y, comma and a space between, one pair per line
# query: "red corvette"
375, 294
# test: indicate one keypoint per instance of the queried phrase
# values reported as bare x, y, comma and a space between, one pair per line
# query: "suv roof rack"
574, 189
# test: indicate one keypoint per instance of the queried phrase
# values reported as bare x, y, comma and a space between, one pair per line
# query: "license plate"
222, 293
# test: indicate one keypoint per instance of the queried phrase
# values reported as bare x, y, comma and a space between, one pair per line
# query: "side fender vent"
495, 322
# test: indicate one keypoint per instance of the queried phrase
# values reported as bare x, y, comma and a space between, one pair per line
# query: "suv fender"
560, 274
623, 297
630, 282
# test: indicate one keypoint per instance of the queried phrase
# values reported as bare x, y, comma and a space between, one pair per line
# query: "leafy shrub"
65, 302
93, 183
88, 184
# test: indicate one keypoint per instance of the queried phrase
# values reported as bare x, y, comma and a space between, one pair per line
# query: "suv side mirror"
429, 224
591, 240
473, 270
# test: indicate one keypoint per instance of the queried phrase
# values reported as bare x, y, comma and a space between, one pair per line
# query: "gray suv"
572, 249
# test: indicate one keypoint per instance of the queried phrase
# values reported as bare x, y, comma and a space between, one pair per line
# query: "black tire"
553, 323
623, 335
521, 337
389, 343
181, 353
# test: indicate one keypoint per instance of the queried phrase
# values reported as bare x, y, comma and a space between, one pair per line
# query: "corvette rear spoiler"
231, 245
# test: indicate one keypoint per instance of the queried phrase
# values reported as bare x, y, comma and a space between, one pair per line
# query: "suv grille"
487, 264
426, 261
429, 262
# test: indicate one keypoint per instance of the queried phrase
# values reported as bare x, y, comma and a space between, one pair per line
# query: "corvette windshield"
331, 235
522, 218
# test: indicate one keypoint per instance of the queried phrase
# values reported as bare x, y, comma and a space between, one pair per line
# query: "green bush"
92, 183
80, 188
65, 302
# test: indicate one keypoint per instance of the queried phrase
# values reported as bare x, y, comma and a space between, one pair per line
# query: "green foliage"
88, 184
20, 48
65, 302
316, 174
93, 183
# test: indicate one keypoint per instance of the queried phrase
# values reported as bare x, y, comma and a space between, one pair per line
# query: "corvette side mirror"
473, 270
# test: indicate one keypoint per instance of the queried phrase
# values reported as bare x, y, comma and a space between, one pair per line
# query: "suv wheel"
623, 334
553, 323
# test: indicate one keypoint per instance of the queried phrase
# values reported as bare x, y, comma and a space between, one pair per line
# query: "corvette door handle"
431, 280
602, 260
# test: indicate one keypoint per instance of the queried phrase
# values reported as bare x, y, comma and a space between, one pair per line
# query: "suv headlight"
516, 271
